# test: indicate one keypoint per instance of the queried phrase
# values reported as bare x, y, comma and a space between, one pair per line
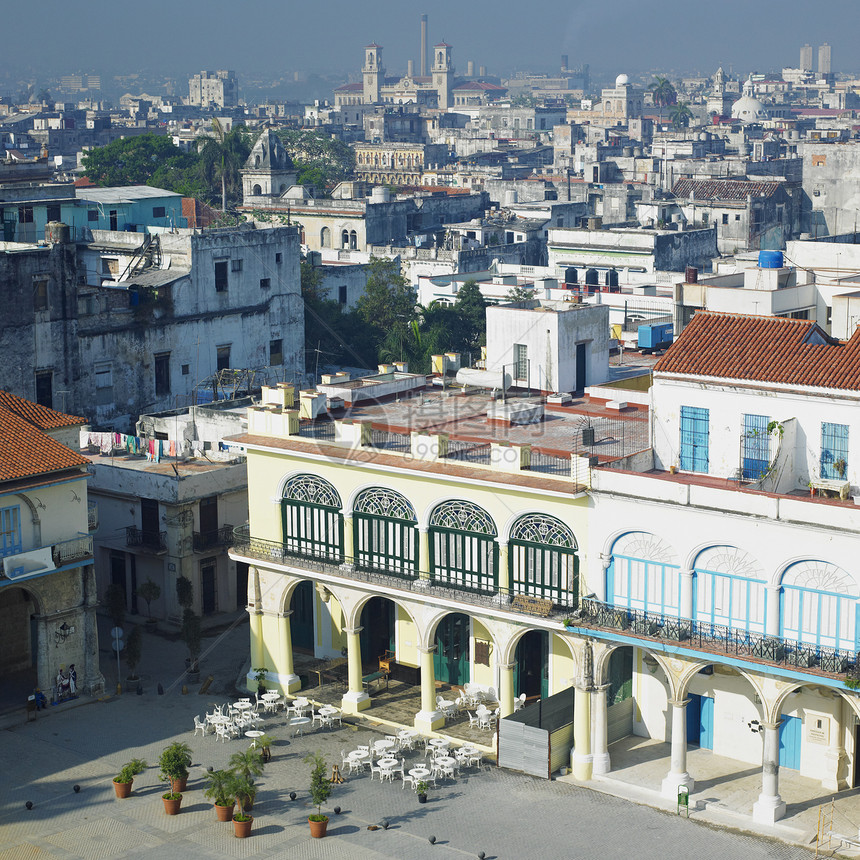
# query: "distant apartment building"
214, 89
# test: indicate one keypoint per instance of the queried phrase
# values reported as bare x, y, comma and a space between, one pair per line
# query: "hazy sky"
181, 36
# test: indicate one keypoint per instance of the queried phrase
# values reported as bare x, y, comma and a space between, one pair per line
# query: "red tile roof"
39, 416
25, 451
723, 189
350, 88
764, 349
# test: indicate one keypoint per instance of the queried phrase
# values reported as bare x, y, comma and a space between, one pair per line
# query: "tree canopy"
320, 160
133, 160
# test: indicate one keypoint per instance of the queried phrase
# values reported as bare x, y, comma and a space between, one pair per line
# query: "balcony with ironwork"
92, 516
394, 575
152, 541
715, 639
208, 540
41, 560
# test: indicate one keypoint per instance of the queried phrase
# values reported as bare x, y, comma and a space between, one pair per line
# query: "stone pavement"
504, 814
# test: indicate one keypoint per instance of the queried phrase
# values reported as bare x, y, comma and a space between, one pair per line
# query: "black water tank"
592, 277
612, 278
570, 276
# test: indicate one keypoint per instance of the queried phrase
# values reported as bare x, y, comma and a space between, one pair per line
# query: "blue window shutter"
834, 449
694, 439
756, 446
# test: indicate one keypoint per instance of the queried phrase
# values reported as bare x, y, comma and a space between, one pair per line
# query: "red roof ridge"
39, 416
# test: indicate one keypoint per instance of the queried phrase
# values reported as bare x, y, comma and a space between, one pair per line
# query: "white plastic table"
298, 723
242, 706
419, 772
382, 746
254, 734
387, 766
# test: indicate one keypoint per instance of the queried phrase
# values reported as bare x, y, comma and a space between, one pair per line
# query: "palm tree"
680, 115
222, 156
664, 93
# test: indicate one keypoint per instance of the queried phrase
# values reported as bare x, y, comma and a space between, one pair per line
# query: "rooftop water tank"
770, 259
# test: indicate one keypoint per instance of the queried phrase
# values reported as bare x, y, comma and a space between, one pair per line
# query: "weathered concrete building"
831, 187
214, 89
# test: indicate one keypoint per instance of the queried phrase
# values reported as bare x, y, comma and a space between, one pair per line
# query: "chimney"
410, 68
423, 55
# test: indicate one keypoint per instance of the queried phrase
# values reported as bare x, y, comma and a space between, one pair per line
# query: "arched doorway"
531, 665
619, 696
377, 629
18, 643
302, 619
451, 657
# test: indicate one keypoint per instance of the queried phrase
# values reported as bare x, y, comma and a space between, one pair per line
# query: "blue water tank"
770, 259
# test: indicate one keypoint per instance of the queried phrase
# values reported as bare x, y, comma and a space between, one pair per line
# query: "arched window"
325, 238
385, 532
353, 241
542, 559
256, 161
463, 549
257, 190
344, 239
643, 574
312, 522
819, 605
729, 589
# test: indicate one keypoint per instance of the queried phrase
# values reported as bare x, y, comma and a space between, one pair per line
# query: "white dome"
622, 80
748, 109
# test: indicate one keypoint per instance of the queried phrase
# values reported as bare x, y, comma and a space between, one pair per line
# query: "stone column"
423, 553
600, 590
582, 759
686, 595
771, 626
769, 807
503, 577
93, 680
678, 775
428, 719
355, 699
601, 729
506, 689
287, 679
257, 658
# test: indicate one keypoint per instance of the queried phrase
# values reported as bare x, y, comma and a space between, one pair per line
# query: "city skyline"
266, 37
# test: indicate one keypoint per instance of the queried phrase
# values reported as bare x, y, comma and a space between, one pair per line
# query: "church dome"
748, 108
622, 81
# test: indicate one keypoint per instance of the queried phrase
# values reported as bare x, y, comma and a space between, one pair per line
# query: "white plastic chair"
520, 702
474, 722
375, 769
199, 724
222, 733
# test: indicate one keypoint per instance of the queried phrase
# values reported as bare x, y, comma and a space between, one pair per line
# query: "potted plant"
123, 780
260, 678
149, 591
245, 793
132, 654
320, 790
221, 790
192, 637
421, 790
172, 800
174, 762
245, 766
840, 467
264, 744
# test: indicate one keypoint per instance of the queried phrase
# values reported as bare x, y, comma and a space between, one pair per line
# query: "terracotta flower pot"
224, 813
179, 785
318, 828
171, 807
242, 829
122, 789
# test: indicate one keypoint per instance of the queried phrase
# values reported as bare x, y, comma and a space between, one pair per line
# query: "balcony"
92, 516
153, 541
716, 639
41, 560
394, 576
204, 541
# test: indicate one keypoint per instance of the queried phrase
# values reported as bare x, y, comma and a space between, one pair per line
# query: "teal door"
700, 721
451, 657
302, 619
789, 742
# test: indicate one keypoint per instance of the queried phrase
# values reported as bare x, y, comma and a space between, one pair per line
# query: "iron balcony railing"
716, 638
549, 464
386, 440
92, 516
393, 575
211, 539
148, 540
317, 429
469, 452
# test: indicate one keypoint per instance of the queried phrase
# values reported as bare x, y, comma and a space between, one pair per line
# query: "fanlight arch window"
385, 532
819, 605
729, 589
344, 239
257, 190
311, 519
643, 574
463, 549
542, 559
325, 238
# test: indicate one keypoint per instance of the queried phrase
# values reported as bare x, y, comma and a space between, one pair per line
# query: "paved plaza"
503, 814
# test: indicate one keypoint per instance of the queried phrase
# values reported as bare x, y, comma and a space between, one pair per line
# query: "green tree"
129, 161
519, 293
663, 92
680, 115
387, 306
222, 157
320, 160
133, 651
471, 305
